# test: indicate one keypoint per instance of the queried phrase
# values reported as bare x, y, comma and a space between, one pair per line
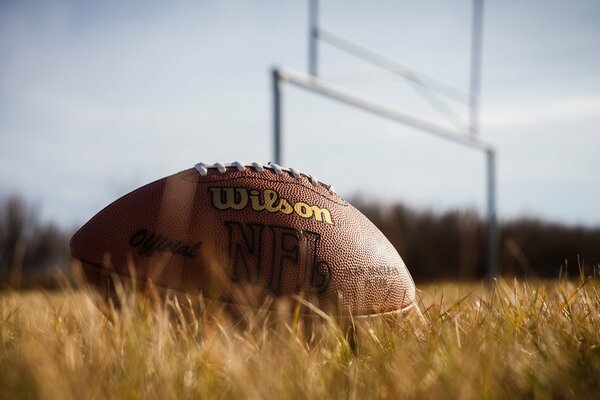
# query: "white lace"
203, 168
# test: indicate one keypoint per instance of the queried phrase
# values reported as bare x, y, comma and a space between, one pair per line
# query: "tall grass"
522, 340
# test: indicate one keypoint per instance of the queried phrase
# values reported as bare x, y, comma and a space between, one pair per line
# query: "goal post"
425, 86
280, 76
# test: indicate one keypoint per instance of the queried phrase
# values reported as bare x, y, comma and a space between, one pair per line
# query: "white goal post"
468, 136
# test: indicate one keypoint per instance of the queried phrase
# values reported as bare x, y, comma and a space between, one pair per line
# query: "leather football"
262, 230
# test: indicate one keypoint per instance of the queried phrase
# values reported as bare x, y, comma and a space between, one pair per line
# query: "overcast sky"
98, 98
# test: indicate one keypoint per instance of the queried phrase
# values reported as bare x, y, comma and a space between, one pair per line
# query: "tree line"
435, 246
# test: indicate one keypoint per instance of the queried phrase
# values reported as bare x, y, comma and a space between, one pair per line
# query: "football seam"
340, 202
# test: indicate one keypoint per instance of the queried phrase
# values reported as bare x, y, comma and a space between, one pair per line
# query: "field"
521, 340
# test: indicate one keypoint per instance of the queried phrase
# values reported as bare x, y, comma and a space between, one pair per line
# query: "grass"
522, 340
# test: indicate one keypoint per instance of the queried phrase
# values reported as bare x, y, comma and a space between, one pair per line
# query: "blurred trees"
453, 245
450, 245
29, 250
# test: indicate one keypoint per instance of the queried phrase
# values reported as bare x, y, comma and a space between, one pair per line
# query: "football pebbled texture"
214, 229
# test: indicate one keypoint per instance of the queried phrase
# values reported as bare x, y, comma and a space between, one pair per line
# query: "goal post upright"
276, 90
492, 227
313, 37
475, 73
469, 136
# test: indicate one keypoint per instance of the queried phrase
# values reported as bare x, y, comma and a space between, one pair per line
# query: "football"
218, 230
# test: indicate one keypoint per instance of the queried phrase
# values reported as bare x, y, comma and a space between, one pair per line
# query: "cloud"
529, 112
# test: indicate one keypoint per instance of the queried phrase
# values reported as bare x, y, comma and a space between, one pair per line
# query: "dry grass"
522, 340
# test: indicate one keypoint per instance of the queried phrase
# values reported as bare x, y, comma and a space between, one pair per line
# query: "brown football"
215, 228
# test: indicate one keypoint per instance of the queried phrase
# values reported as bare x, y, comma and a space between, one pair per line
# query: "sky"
98, 98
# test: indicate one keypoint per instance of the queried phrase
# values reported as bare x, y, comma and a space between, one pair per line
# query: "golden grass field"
521, 340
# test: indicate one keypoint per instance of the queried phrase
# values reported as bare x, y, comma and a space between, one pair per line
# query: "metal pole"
275, 83
313, 35
476, 46
474, 129
491, 217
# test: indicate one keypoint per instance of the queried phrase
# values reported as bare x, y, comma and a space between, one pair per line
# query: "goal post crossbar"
318, 86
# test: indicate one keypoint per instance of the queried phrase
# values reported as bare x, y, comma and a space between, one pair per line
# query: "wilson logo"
266, 200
